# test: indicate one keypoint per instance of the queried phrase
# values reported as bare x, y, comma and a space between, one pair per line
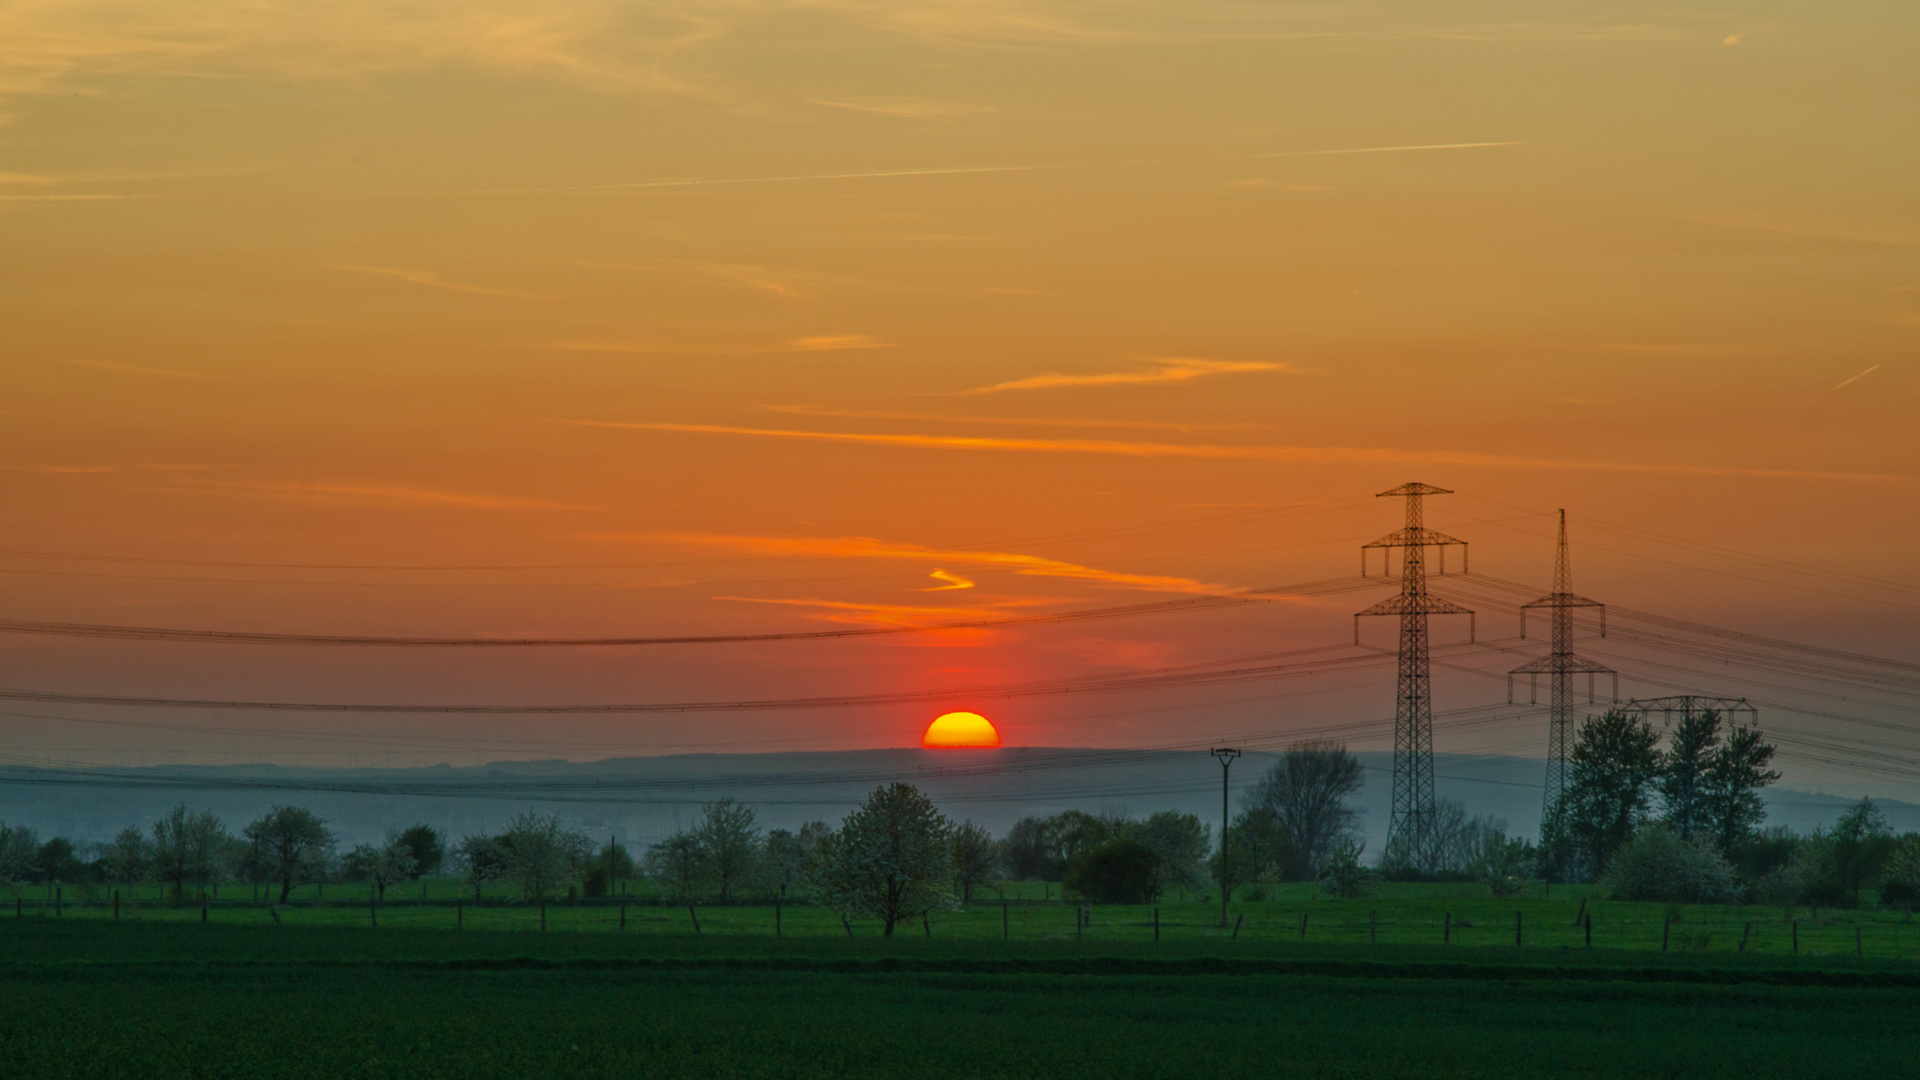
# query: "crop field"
437, 990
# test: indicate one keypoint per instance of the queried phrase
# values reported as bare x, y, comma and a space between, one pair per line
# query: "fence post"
203, 907
1666, 928
1581, 915
623, 916
116, 903
1589, 931
59, 900
694, 917
847, 925
1516, 928
1006, 922
1796, 937
927, 925
1373, 928
373, 911
1303, 925
1156, 924
1446, 932
1236, 926
459, 914
1744, 934
543, 916
1857, 953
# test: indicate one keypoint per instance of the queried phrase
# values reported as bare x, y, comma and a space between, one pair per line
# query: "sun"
960, 731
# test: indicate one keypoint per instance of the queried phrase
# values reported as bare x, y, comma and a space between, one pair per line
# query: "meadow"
438, 990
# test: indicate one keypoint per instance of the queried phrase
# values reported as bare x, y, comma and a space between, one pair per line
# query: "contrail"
1856, 378
956, 170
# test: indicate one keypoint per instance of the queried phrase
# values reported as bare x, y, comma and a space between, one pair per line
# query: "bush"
1656, 864
1343, 875
1121, 871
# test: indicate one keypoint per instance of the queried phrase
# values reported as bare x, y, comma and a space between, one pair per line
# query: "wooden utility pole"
1226, 756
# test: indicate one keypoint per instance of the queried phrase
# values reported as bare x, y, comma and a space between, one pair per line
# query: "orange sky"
769, 316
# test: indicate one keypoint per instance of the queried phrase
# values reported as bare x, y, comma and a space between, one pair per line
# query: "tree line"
1679, 823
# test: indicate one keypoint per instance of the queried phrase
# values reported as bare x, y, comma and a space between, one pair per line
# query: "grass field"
90, 997
1410, 914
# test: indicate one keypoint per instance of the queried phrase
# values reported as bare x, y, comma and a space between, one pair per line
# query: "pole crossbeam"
1410, 829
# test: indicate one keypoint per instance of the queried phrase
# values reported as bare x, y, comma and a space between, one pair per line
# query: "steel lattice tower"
1413, 800
1560, 665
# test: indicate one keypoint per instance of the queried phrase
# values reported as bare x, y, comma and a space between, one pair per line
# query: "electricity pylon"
1560, 665
1411, 826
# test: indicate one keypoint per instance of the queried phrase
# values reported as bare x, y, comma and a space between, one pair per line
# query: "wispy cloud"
1846, 234
1016, 421
905, 108
135, 369
1290, 454
435, 281
1850, 380
1165, 370
837, 342
61, 470
377, 494
862, 547
950, 581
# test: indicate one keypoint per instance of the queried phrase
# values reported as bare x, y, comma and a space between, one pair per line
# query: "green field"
325, 993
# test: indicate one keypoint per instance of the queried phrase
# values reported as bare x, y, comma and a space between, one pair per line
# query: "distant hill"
640, 800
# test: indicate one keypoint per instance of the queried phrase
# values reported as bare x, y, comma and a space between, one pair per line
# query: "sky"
484, 318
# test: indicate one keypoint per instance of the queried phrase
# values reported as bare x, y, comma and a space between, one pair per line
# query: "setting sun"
961, 731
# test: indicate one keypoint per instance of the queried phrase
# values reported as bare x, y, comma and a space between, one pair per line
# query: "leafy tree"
541, 854
1730, 790
892, 859
784, 863
975, 858
56, 862
128, 857
1612, 770
1683, 773
294, 846
1258, 848
387, 864
1307, 789
1121, 871
728, 841
1862, 845
1901, 887
481, 859
19, 850
677, 865
1073, 831
424, 842
1660, 864
608, 865
1341, 873
1028, 849
1180, 843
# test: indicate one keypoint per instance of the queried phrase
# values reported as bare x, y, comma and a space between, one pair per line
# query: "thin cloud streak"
1170, 370
1856, 378
1288, 454
135, 369
432, 280
863, 547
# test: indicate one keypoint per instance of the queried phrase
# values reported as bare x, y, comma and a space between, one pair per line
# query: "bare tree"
127, 857
189, 848
1308, 789
975, 858
541, 854
481, 859
388, 864
676, 865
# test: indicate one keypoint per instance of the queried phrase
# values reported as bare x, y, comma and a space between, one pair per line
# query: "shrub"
1656, 864
1342, 874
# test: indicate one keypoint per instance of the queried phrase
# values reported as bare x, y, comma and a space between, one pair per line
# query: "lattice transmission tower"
1560, 665
1411, 827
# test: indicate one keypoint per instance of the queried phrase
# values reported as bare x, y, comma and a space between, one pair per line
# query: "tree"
729, 841
1341, 873
783, 864
1611, 772
1660, 864
127, 857
541, 854
424, 842
19, 847
387, 864
677, 866
1180, 843
481, 859
1862, 845
608, 865
1258, 848
294, 846
1121, 871
1901, 886
1730, 790
975, 858
56, 862
1073, 831
1027, 849
1308, 789
189, 849
892, 859
1683, 773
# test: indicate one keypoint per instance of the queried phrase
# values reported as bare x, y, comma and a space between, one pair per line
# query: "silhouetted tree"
1307, 789
481, 859
729, 842
892, 859
975, 857
1120, 871
1730, 791
293, 846
1028, 850
1612, 769
1683, 773
424, 842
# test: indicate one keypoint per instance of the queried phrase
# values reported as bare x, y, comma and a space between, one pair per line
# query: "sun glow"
961, 731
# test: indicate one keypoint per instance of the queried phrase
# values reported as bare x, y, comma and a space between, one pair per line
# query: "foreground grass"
97, 999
